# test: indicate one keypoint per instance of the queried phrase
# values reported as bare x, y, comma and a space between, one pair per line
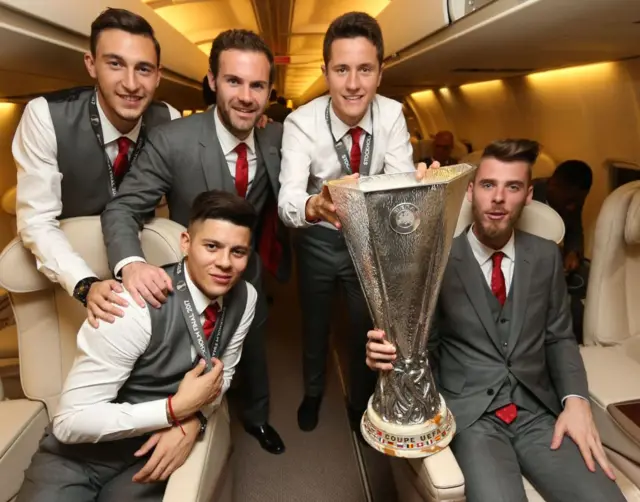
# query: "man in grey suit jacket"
503, 354
218, 149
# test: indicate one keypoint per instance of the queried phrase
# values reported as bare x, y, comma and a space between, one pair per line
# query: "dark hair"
513, 150
208, 95
273, 95
353, 25
221, 205
242, 40
282, 100
574, 173
121, 19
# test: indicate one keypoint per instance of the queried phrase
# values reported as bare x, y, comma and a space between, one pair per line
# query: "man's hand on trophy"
421, 170
321, 207
380, 352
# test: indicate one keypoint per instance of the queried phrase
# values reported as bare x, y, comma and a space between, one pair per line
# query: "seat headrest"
8, 202
160, 241
632, 222
536, 218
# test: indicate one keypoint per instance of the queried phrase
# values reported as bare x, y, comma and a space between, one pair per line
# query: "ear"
529, 195
159, 77
470, 191
212, 81
90, 64
324, 72
185, 243
380, 75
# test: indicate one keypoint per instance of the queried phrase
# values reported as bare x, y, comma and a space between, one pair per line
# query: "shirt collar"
483, 253
340, 128
200, 300
227, 140
109, 131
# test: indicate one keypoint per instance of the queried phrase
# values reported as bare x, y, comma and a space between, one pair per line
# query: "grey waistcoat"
159, 371
511, 391
86, 187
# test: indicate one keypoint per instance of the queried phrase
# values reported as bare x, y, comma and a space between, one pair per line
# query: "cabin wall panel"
10, 114
590, 113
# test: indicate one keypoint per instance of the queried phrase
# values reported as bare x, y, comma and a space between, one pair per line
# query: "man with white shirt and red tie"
503, 353
72, 149
219, 149
353, 131
141, 389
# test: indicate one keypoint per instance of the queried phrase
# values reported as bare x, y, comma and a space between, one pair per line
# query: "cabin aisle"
317, 466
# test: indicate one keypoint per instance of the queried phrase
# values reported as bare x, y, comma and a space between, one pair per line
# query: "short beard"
494, 233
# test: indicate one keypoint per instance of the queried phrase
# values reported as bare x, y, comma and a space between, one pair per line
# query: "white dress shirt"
107, 355
39, 191
228, 143
483, 255
309, 157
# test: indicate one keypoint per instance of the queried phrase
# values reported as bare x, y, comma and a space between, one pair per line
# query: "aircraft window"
622, 172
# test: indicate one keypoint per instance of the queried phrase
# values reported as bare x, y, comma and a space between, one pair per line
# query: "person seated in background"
442, 147
139, 395
503, 354
278, 111
565, 191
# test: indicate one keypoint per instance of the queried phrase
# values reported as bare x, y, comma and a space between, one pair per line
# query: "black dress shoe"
268, 438
308, 413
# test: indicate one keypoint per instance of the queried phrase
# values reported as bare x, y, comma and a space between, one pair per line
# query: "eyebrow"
253, 82
120, 58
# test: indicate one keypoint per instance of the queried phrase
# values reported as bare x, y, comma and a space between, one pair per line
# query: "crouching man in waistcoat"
141, 389
73, 148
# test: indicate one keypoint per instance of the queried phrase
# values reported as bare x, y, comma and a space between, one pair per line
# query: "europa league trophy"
399, 231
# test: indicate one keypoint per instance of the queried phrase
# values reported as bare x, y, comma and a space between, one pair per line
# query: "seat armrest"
22, 424
203, 474
437, 477
604, 365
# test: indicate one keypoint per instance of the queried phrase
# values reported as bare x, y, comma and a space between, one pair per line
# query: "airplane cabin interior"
565, 73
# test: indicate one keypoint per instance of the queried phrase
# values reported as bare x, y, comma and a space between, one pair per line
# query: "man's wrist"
82, 288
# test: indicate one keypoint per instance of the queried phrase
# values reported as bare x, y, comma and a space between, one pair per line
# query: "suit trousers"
98, 472
493, 457
323, 262
252, 368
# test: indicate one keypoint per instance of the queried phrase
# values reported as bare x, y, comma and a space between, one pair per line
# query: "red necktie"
242, 170
507, 413
498, 286
355, 149
210, 317
121, 164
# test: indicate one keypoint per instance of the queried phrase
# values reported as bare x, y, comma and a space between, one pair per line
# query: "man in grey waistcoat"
73, 147
222, 149
503, 353
141, 389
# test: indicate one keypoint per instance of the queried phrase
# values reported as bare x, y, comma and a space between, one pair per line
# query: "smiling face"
242, 89
353, 75
127, 73
217, 254
498, 195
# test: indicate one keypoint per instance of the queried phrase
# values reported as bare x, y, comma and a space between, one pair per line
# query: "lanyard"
192, 318
94, 117
341, 150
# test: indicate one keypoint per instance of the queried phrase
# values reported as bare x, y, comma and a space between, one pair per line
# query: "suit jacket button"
490, 392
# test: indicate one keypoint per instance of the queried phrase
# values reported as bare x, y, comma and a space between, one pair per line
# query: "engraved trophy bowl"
399, 231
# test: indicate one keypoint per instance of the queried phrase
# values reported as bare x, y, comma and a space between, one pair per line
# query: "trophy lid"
399, 181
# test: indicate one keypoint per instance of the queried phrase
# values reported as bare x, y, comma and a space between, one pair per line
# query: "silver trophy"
399, 231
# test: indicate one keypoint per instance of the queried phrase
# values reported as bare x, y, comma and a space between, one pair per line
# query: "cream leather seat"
543, 167
438, 478
612, 327
48, 321
9, 364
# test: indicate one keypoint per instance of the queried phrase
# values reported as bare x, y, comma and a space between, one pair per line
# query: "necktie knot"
355, 132
241, 150
210, 318
496, 258
124, 144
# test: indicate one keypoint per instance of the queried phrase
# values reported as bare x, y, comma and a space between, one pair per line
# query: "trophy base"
408, 441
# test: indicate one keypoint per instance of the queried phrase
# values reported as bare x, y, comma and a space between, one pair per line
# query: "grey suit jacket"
181, 159
470, 365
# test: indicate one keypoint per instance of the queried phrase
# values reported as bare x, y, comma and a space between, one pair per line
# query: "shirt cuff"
122, 263
151, 415
572, 395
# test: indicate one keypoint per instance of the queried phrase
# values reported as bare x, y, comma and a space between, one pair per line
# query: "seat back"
536, 218
543, 167
612, 307
47, 318
8, 205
